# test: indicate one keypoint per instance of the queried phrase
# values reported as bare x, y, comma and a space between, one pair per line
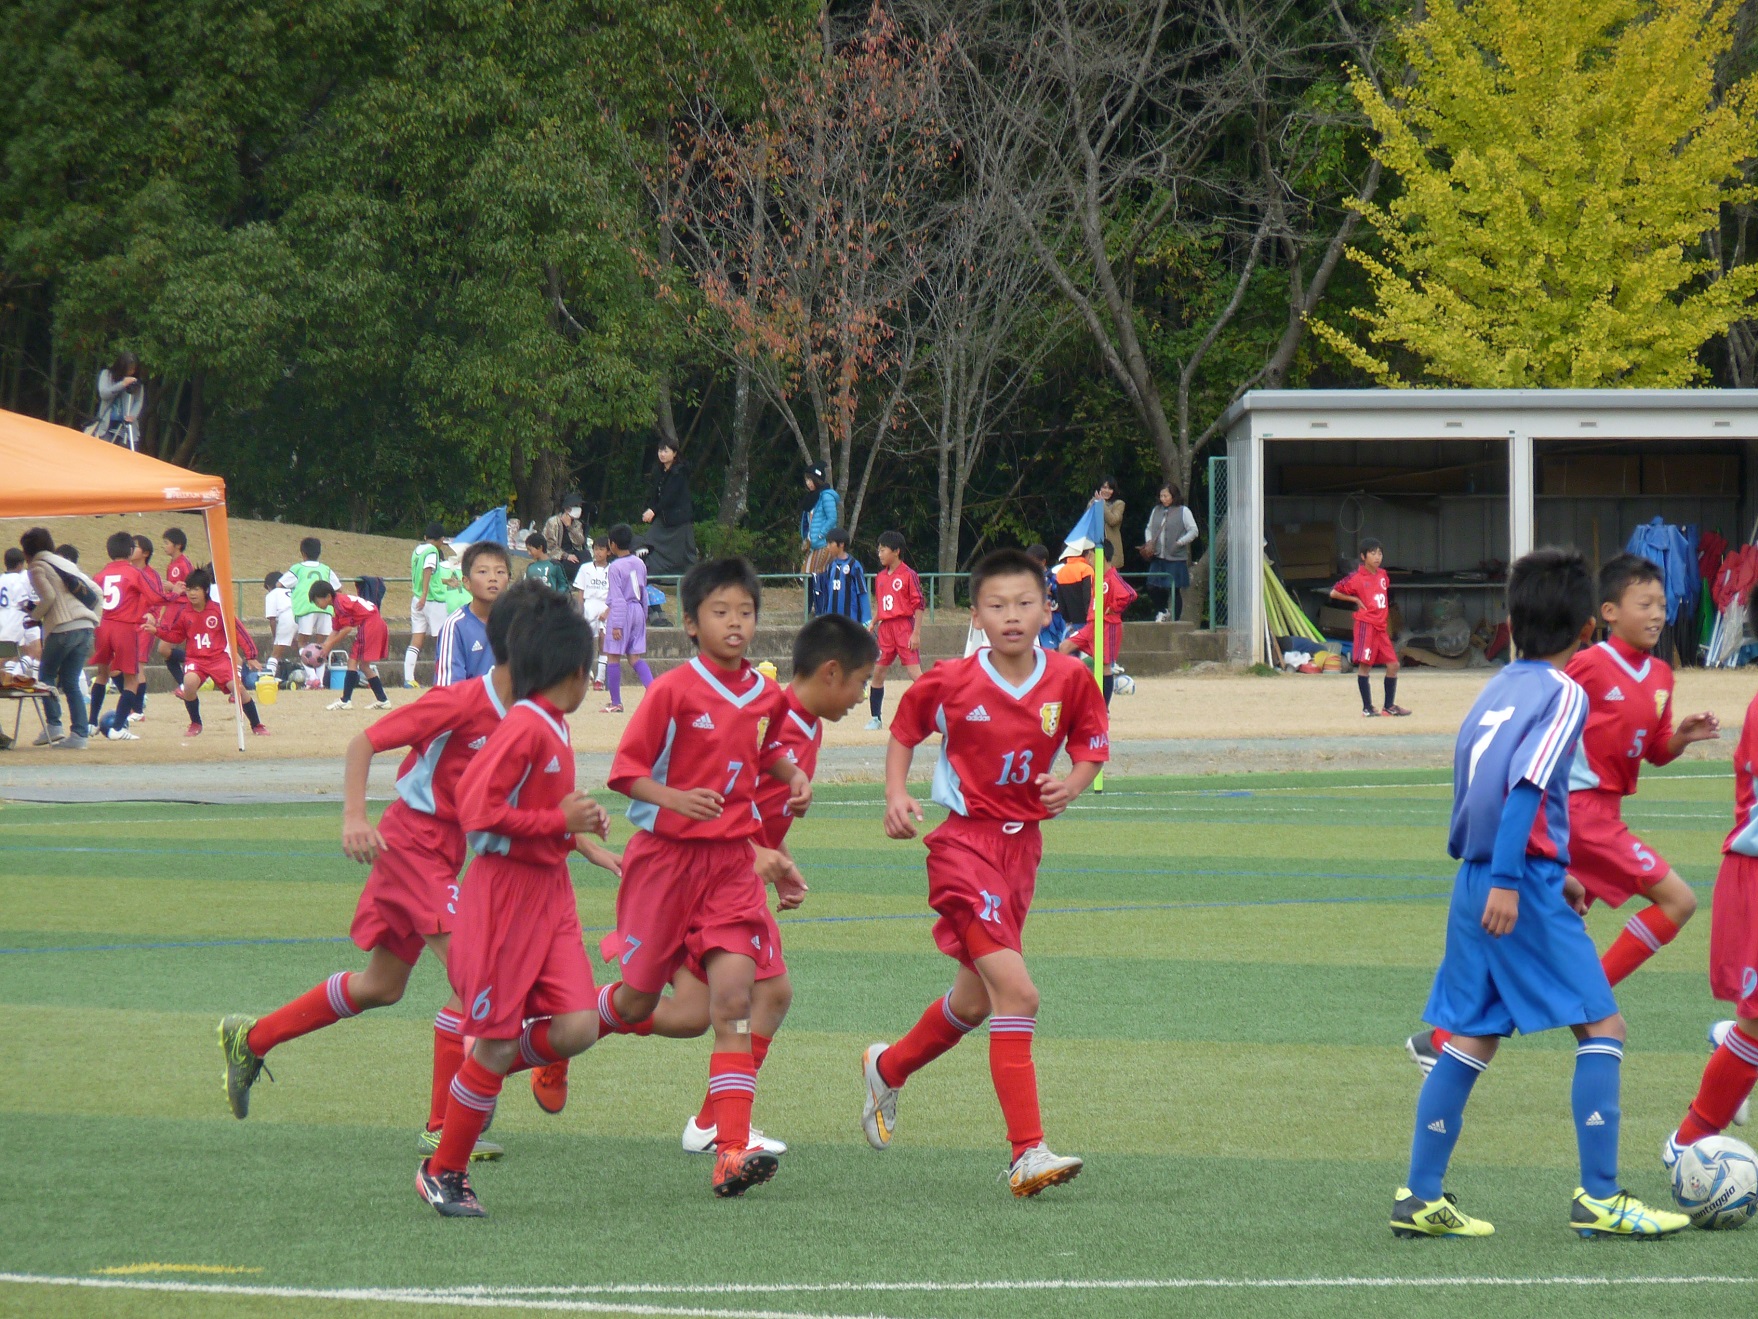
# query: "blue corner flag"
1090, 530
491, 526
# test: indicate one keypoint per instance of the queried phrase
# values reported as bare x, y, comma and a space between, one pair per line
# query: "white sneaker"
49, 736
339, 705
1038, 1169
700, 1139
136, 716
875, 724
122, 735
379, 705
879, 1113
1718, 1033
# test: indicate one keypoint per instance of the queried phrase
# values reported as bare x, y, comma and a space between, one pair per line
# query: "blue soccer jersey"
1522, 728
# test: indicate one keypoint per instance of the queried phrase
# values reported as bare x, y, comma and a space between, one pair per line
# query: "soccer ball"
107, 722
1124, 685
311, 653
1716, 1182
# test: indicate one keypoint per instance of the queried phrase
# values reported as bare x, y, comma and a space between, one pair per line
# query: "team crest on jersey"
1050, 717
1660, 704
762, 729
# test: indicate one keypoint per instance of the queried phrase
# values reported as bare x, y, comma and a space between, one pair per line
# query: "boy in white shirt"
593, 584
277, 607
15, 624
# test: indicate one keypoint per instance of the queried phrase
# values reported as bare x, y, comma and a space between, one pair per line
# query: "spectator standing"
820, 514
121, 396
69, 628
1106, 494
670, 543
1166, 547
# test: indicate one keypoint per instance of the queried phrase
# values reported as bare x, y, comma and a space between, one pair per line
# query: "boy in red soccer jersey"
1002, 716
195, 625
1629, 720
516, 961
359, 620
1368, 588
897, 620
116, 648
1726, 1087
177, 570
1118, 596
689, 762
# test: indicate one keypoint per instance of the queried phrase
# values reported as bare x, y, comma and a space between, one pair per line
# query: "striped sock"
759, 1051
534, 1047
1727, 1081
468, 1108
448, 1056
1594, 1098
320, 1006
732, 1082
1440, 1112
1644, 935
936, 1032
610, 1022
1016, 1079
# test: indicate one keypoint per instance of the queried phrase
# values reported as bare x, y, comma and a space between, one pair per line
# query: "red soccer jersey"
697, 727
899, 592
1744, 838
795, 736
1119, 595
995, 738
177, 571
204, 633
443, 729
1629, 716
351, 611
1370, 590
127, 594
510, 795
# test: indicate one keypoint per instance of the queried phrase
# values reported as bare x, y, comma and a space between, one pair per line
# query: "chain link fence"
1217, 537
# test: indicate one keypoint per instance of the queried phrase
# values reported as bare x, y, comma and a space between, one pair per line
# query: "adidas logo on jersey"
479, 743
703, 721
1594, 1120
554, 766
475, 646
1439, 1125
1615, 694
977, 716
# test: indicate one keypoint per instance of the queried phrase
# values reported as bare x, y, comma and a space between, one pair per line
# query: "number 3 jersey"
699, 726
1629, 716
1523, 728
996, 738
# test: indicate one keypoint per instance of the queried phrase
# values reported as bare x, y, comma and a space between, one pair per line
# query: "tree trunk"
735, 497
197, 415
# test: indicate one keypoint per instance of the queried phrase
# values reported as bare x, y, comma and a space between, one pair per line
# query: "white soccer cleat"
122, 735
1717, 1034
879, 1113
1039, 1168
340, 705
700, 1140
1670, 1151
1420, 1047
874, 724
379, 705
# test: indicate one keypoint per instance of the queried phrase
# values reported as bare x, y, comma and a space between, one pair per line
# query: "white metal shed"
1458, 481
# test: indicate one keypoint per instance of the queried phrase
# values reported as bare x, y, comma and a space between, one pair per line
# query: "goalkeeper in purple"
1518, 956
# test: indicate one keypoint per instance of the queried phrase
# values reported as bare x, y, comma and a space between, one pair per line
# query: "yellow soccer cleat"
1412, 1216
1622, 1215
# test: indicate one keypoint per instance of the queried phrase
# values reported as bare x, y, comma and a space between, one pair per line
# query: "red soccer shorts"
1733, 934
1083, 640
981, 877
1612, 864
372, 642
117, 647
894, 642
412, 890
516, 949
1372, 646
215, 668
770, 964
684, 900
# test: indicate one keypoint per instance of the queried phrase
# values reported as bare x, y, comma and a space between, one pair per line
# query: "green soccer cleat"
485, 1150
242, 1065
1413, 1217
1622, 1215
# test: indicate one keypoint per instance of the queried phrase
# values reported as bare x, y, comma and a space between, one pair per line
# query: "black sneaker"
448, 1192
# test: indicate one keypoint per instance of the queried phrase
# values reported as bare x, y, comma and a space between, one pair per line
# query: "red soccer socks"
1646, 933
936, 1032
732, 1085
473, 1093
759, 1051
1016, 1079
448, 1056
320, 1006
1727, 1081
610, 1021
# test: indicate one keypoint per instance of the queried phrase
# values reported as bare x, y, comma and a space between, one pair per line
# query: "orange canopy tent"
55, 471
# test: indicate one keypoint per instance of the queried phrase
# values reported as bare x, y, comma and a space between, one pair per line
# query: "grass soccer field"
1228, 966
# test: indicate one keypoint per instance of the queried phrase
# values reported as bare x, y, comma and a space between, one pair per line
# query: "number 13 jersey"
996, 738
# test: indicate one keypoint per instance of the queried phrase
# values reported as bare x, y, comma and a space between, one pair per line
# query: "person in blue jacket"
820, 514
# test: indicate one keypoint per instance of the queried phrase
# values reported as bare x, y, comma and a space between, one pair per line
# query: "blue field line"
803, 920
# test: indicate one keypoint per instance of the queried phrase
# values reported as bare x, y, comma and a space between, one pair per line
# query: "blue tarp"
492, 525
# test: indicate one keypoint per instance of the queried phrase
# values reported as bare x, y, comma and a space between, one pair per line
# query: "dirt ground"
1217, 707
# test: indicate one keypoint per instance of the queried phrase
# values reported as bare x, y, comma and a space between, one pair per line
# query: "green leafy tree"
1561, 165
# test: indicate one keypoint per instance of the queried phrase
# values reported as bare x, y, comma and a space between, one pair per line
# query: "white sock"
409, 658
272, 667
599, 674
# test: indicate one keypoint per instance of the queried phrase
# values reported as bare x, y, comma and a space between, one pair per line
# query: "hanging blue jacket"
1674, 553
822, 520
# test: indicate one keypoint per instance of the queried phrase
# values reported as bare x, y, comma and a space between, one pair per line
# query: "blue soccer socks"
1594, 1098
1440, 1112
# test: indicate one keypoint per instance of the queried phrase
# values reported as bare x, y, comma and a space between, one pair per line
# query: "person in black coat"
670, 542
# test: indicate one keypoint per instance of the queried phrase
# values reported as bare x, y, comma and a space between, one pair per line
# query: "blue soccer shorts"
1543, 974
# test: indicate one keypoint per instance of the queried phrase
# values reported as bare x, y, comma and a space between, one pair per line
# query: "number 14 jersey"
996, 738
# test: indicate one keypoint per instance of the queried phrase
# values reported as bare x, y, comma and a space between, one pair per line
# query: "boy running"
897, 622
517, 963
427, 610
625, 622
1002, 715
199, 630
360, 622
116, 647
463, 652
1518, 957
309, 620
690, 762
1368, 588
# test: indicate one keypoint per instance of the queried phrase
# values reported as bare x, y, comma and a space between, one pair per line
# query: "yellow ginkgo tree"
1559, 163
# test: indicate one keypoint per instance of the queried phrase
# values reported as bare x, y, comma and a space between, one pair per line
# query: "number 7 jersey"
996, 738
